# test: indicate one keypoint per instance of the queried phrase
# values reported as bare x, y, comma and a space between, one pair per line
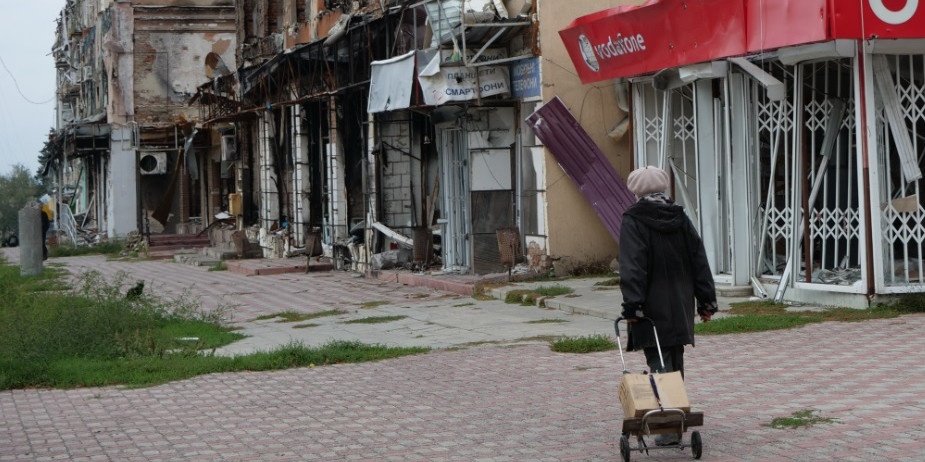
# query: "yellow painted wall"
576, 234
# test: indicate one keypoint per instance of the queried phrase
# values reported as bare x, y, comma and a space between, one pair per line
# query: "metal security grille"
902, 217
773, 150
691, 143
808, 163
679, 148
834, 220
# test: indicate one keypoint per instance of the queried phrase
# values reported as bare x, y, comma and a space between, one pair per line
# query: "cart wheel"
625, 448
696, 445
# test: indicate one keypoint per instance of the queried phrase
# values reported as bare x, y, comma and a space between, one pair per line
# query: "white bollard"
30, 240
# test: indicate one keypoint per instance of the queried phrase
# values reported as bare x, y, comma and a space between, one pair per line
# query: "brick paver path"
502, 403
495, 403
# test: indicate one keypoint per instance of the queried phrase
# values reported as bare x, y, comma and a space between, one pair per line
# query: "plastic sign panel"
661, 34
445, 79
634, 40
525, 78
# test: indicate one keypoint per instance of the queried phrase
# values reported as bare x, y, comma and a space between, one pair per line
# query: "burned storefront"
373, 137
293, 125
793, 136
448, 134
126, 152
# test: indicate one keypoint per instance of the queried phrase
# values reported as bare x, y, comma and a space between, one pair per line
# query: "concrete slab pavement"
425, 317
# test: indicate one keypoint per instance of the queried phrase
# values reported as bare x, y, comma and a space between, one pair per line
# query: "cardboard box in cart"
637, 397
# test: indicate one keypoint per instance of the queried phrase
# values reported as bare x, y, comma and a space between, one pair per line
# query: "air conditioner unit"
229, 148
153, 163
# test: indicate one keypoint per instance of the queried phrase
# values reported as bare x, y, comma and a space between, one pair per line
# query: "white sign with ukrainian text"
456, 82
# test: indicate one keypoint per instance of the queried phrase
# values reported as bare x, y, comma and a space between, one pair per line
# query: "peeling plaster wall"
171, 49
118, 64
596, 109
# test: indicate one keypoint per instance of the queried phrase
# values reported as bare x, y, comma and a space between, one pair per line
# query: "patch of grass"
802, 418
372, 304
220, 266
552, 291
907, 303
763, 315
546, 321
463, 304
527, 297
593, 269
482, 290
520, 297
585, 344
139, 372
93, 335
375, 320
291, 316
751, 323
608, 282
111, 248
305, 326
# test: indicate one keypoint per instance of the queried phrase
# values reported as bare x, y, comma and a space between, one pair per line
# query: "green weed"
110, 248
291, 316
375, 320
586, 344
96, 335
802, 418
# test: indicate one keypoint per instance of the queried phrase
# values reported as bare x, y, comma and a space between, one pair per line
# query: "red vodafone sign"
658, 34
892, 19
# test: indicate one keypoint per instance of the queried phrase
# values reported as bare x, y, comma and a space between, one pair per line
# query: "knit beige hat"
647, 180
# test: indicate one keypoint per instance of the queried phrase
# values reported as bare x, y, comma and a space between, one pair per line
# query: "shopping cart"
663, 420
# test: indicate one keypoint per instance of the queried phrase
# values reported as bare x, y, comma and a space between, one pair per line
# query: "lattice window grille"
685, 128
834, 220
653, 128
903, 233
770, 119
816, 114
774, 120
778, 222
906, 226
835, 224
849, 123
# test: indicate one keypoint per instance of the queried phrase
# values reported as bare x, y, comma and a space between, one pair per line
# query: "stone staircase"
166, 246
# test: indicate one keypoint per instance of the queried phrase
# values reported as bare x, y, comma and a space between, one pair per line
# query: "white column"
122, 197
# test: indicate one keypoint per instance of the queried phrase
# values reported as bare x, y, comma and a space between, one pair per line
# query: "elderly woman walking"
663, 269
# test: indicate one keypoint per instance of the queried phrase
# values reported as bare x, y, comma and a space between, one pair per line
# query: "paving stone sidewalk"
512, 401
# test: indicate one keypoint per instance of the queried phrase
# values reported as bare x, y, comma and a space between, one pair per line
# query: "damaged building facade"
377, 130
794, 137
125, 156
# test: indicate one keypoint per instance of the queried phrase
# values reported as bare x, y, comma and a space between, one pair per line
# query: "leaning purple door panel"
583, 162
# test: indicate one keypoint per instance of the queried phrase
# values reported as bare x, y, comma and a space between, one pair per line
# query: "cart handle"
616, 327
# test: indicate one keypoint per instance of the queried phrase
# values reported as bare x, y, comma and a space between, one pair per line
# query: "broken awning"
661, 34
583, 162
391, 84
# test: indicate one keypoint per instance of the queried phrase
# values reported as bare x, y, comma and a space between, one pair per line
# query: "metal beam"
775, 88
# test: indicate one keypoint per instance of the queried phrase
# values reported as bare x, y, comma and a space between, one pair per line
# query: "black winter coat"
663, 268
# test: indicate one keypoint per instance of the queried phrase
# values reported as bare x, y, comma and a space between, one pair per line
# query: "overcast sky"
27, 33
